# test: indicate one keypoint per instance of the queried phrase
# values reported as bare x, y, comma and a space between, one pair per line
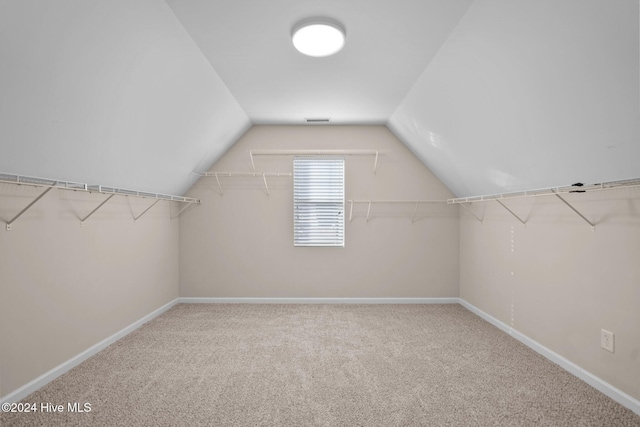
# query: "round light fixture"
318, 37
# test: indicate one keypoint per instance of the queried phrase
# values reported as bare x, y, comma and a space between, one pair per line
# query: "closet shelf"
553, 191
550, 191
312, 152
50, 184
263, 175
372, 201
41, 182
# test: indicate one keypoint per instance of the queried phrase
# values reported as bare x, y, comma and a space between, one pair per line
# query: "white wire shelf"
50, 184
41, 182
263, 175
143, 194
315, 152
417, 204
553, 191
550, 191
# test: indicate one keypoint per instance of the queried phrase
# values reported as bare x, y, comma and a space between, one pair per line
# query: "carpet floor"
321, 365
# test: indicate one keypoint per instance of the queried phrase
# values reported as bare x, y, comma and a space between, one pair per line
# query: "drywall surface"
65, 287
240, 244
109, 92
557, 281
530, 94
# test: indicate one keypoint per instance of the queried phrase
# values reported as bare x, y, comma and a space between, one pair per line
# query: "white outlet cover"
607, 340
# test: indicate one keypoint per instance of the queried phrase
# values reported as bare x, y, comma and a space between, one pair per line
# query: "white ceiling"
492, 95
388, 46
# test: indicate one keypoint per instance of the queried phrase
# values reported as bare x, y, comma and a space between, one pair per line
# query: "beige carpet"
325, 365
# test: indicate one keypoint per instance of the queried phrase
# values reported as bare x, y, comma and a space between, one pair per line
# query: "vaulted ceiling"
492, 95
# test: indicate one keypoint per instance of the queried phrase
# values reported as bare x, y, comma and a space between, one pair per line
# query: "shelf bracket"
182, 210
12, 220
145, 211
219, 186
415, 211
511, 212
350, 210
368, 210
375, 163
253, 165
593, 226
94, 211
266, 187
468, 207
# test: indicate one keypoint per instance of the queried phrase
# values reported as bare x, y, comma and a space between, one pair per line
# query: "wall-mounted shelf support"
512, 212
76, 186
219, 185
12, 220
415, 211
266, 187
37, 182
593, 226
375, 163
554, 191
375, 153
468, 207
183, 209
135, 218
94, 211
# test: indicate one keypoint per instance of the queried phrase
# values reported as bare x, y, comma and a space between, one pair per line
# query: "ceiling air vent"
317, 120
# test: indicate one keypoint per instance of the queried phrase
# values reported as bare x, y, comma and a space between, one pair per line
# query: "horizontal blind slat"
318, 193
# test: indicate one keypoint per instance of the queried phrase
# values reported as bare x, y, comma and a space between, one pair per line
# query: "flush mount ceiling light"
318, 37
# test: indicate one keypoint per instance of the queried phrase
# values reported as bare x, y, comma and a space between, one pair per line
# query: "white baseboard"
187, 300
54, 373
618, 395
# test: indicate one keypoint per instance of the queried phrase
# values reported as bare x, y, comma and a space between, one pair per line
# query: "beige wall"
568, 282
241, 244
64, 288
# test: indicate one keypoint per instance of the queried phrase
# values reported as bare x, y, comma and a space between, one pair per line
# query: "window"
318, 201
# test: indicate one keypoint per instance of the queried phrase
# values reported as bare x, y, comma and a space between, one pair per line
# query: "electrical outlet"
606, 340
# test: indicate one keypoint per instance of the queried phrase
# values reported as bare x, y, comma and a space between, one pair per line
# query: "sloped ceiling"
492, 95
530, 94
389, 44
109, 92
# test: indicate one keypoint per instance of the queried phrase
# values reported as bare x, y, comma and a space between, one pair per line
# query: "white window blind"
318, 201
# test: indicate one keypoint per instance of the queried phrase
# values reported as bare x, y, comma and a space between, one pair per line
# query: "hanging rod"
312, 152
370, 202
262, 175
629, 183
